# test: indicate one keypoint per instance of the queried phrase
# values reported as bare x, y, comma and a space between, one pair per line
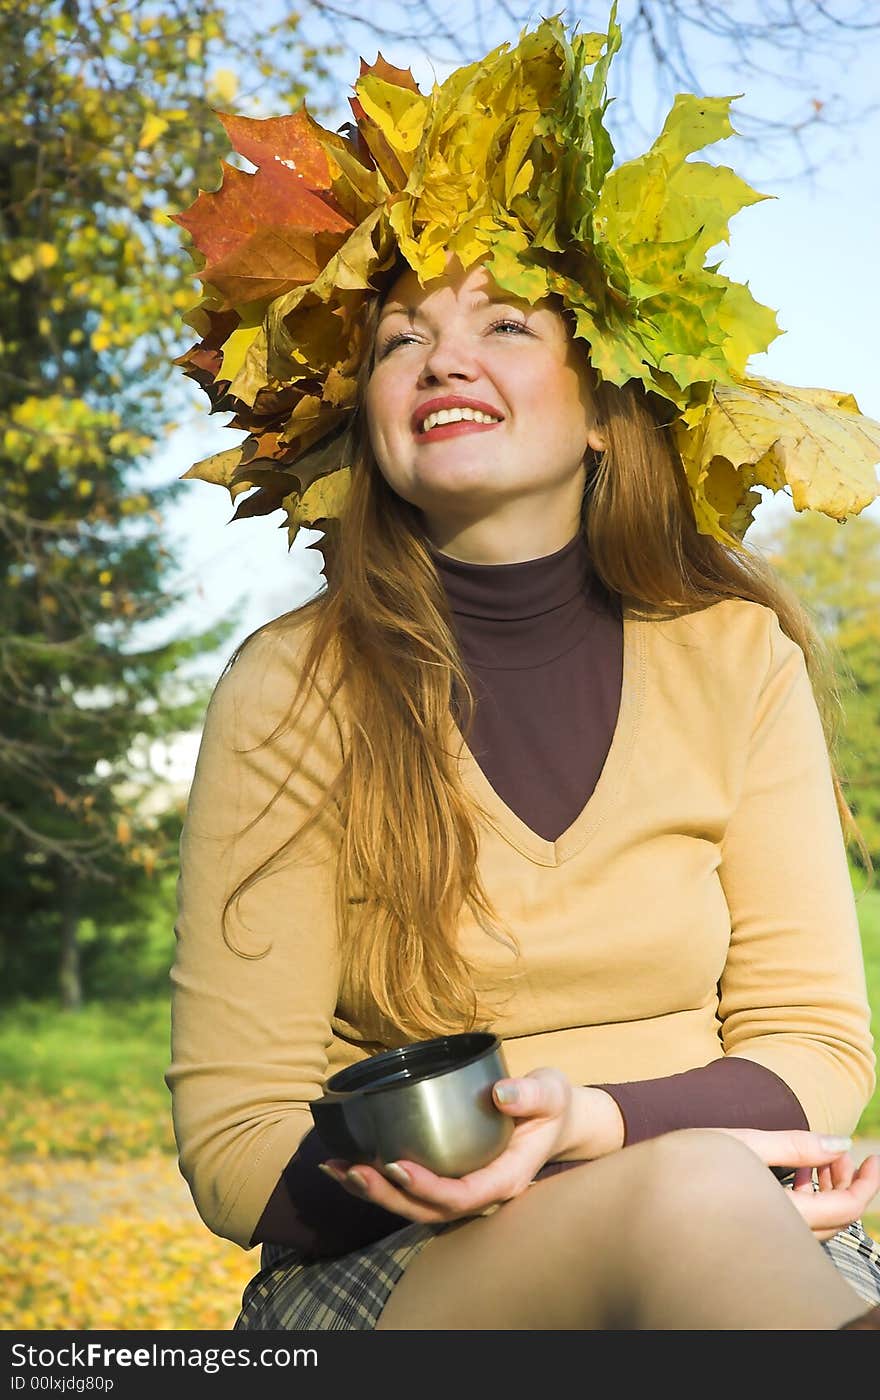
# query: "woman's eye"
402, 337
517, 326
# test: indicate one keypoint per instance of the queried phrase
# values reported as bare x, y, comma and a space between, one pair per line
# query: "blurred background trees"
836, 573
105, 127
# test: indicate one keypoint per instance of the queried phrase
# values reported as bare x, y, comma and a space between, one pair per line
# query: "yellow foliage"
122, 1271
763, 433
72, 1125
223, 85
154, 127
242, 338
23, 268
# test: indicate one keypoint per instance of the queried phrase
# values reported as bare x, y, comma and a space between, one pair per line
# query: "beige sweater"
700, 905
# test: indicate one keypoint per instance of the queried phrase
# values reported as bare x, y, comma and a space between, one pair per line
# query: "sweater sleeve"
792, 996
331, 1222
732, 1092
251, 1012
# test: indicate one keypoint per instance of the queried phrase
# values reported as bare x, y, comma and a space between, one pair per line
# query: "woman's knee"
692, 1172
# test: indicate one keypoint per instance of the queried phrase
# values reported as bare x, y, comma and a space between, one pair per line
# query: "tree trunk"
69, 980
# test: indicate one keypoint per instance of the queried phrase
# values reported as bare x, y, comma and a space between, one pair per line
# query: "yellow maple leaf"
322, 500
399, 113
241, 339
758, 432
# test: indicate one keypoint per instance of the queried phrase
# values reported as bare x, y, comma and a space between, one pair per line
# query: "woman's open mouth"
445, 430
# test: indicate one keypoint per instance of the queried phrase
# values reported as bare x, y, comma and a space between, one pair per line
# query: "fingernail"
356, 1182
506, 1093
835, 1144
333, 1172
398, 1174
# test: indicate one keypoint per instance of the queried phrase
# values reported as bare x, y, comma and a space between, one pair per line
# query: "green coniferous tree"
106, 127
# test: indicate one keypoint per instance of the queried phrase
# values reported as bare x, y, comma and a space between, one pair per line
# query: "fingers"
420, 1195
539, 1094
794, 1148
832, 1177
367, 1183
409, 1189
868, 1174
839, 1173
830, 1210
803, 1179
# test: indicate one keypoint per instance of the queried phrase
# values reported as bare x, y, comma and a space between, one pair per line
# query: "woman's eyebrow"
415, 313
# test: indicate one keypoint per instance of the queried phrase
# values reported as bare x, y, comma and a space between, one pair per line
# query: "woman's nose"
449, 356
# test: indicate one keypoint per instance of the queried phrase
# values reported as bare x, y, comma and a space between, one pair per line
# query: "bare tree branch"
668, 45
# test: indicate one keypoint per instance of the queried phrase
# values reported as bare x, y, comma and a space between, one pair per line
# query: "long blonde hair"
408, 854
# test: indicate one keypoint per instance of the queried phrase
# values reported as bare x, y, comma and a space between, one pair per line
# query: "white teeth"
457, 415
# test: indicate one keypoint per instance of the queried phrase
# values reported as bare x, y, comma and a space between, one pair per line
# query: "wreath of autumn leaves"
509, 162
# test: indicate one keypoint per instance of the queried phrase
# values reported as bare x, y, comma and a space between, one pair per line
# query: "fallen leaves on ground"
100, 1227
127, 1275
75, 1124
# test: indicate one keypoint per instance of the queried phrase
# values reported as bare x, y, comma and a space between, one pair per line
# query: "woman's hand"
844, 1189
548, 1111
556, 1120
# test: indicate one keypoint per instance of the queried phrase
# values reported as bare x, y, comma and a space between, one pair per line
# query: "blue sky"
811, 253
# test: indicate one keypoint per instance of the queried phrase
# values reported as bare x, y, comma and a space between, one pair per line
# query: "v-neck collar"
609, 786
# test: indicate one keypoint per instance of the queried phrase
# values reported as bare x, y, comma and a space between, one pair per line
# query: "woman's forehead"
474, 286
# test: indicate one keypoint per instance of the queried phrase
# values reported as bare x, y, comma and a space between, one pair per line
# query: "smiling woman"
509, 489
550, 758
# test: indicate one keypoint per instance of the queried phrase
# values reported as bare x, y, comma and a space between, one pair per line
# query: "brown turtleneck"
542, 642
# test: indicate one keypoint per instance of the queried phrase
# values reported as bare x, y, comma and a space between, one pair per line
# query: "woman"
677, 954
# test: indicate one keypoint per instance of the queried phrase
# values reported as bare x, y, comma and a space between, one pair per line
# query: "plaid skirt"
348, 1293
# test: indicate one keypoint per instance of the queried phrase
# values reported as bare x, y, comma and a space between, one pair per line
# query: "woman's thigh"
687, 1229
556, 1257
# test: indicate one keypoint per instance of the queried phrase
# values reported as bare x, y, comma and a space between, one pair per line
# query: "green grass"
85, 1084
107, 1049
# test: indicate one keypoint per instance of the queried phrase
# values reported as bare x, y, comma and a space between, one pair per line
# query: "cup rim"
490, 1045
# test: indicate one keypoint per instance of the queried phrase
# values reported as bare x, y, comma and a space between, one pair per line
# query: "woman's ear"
596, 440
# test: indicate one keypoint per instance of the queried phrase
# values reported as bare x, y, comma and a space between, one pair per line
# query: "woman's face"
497, 493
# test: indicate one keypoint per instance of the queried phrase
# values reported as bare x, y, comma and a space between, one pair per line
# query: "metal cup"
429, 1102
